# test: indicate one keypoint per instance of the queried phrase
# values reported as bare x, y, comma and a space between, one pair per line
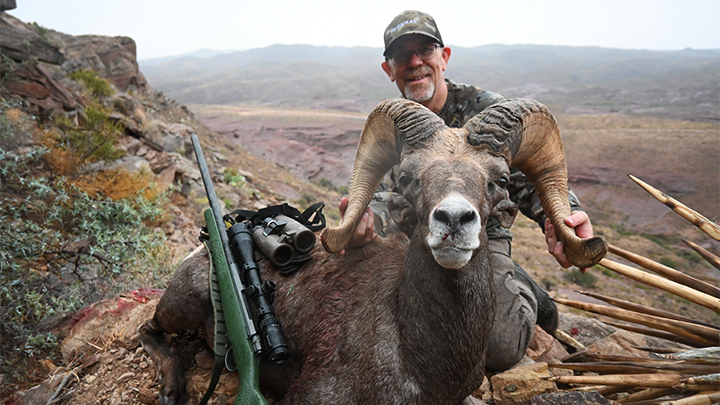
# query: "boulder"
112, 58
518, 385
571, 398
7, 5
584, 329
115, 318
621, 343
545, 348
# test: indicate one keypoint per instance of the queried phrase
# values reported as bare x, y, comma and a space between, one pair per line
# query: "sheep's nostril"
441, 216
467, 217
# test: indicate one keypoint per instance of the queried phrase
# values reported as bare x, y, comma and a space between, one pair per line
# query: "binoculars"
282, 239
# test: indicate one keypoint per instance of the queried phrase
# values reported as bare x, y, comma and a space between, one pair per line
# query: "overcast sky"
165, 27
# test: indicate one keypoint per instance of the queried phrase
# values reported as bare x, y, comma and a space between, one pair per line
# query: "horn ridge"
500, 125
413, 121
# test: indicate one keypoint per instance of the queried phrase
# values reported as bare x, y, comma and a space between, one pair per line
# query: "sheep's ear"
505, 212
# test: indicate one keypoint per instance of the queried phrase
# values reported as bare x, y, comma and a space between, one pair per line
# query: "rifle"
233, 311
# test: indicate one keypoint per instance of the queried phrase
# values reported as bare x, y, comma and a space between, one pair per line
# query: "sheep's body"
377, 324
398, 321
368, 332
343, 316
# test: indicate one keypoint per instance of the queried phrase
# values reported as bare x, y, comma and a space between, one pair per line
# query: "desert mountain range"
669, 84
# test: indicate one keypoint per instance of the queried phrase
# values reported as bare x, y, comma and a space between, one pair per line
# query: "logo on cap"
411, 22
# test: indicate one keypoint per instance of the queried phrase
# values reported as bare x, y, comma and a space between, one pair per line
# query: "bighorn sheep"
399, 320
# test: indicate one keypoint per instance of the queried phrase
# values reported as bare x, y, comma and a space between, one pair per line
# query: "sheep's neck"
444, 318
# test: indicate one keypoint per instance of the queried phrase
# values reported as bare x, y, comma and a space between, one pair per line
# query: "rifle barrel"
250, 330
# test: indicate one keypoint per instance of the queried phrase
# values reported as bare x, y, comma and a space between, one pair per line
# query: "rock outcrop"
113, 58
7, 5
20, 42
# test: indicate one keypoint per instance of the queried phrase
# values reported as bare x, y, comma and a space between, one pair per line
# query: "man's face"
417, 79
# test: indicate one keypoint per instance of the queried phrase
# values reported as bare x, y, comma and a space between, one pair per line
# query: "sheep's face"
454, 194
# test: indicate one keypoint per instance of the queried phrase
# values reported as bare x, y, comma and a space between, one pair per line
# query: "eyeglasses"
403, 56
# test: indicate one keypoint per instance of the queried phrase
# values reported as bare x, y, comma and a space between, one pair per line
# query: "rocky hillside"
100, 190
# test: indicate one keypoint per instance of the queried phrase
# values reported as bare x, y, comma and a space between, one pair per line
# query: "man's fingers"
550, 237
559, 253
369, 226
580, 221
343, 206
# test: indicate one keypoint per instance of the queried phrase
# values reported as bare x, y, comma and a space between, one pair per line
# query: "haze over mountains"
672, 84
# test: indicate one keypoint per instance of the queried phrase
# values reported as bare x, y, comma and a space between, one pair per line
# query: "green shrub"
608, 273
323, 182
93, 138
233, 178
668, 262
309, 198
693, 256
582, 279
40, 30
44, 272
97, 86
548, 283
662, 240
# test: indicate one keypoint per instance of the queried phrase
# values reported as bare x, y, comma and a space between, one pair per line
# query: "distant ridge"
200, 53
676, 84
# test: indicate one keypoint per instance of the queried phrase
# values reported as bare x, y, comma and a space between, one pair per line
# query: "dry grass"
116, 184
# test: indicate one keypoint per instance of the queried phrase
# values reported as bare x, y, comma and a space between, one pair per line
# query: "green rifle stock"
235, 308
247, 366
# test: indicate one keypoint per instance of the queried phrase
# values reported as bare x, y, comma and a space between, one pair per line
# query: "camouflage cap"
411, 22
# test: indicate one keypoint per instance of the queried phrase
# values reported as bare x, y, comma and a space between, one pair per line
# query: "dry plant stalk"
634, 380
707, 226
704, 253
664, 284
688, 330
568, 340
709, 355
705, 398
628, 367
668, 272
646, 394
631, 306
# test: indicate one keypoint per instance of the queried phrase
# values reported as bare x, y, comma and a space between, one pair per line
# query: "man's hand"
365, 231
580, 221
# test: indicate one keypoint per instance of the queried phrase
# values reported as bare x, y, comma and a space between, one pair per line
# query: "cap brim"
410, 33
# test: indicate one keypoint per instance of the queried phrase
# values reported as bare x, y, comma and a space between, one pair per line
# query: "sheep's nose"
455, 214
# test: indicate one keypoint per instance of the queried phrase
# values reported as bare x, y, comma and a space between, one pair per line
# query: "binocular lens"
303, 238
305, 241
282, 254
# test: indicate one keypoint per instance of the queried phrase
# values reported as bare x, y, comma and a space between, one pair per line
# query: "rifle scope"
262, 295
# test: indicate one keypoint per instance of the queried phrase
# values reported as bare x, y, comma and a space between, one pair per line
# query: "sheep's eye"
502, 182
404, 180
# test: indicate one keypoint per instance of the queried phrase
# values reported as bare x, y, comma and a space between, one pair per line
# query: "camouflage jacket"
464, 102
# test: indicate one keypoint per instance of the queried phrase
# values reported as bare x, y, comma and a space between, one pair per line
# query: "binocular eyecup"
282, 238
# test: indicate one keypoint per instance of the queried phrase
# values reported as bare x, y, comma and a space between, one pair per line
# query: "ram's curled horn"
392, 123
529, 133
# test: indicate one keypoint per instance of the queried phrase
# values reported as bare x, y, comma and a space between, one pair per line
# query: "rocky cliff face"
44, 103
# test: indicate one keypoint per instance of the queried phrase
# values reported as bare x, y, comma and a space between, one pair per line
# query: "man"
415, 59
